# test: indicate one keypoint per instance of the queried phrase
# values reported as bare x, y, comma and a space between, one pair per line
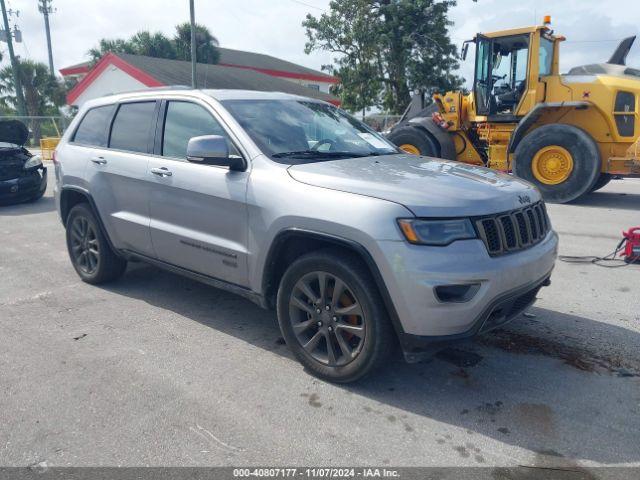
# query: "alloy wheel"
327, 319
84, 245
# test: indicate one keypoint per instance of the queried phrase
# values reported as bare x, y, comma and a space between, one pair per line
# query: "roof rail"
155, 89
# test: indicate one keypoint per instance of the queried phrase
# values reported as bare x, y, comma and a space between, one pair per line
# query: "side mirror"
212, 150
465, 50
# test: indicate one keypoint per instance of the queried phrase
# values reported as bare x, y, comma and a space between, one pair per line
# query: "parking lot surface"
156, 369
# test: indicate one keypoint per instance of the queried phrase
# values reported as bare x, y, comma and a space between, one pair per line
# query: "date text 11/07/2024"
316, 472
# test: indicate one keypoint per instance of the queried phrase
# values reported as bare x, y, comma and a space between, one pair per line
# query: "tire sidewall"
602, 182
583, 149
374, 316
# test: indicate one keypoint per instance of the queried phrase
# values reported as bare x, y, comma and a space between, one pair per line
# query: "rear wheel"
561, 160
90, 253
414, 141
332, 317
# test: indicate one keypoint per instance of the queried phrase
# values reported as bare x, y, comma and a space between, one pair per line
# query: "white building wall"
112, 80
322, 86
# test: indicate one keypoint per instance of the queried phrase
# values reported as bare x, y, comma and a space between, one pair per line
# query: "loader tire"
563, 161
415, 141
602, 182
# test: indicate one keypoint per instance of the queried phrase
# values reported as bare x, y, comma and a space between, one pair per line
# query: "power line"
307, 5
595, 41
15, 66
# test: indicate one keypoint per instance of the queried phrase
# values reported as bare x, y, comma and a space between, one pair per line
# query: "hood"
13, 131
426, 186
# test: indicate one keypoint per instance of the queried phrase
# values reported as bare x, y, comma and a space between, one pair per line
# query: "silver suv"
299, 207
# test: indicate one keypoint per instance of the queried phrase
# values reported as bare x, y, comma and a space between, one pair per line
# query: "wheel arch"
553, 113
69, 198
72, 196
290, 244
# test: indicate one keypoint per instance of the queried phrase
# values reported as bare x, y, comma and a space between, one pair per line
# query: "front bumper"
29, 185
507, 285
500, 311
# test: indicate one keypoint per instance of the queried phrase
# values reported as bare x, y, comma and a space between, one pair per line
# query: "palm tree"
43, 94
160, 46
107, 45
152, 45
206, 44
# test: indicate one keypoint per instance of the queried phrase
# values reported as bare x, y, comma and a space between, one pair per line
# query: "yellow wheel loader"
568, 134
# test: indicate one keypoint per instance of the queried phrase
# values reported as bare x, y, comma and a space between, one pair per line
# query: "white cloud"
274, 26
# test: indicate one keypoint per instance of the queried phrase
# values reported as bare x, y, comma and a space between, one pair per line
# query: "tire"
602, 181
418, 139
84, 236
373, 337
585, 160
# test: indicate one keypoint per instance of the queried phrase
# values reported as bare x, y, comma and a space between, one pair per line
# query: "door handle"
99, 160
162, 172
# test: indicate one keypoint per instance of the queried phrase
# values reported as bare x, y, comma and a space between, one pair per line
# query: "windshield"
301, 131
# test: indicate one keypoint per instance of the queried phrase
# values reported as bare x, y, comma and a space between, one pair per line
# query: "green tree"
346, 30
110, 45
206, 44
153, 45
43, 94
394, 46
160, 46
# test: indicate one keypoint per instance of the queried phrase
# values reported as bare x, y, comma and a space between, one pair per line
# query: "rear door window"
132, 127
185, 120
94, 126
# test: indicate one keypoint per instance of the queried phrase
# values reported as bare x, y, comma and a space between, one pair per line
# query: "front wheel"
90, 253
414, 141
563, 161
332, 317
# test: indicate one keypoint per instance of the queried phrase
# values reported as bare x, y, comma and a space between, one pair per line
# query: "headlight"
34, 161
436, 232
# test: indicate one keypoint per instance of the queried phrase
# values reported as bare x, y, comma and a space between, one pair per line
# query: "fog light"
456, 293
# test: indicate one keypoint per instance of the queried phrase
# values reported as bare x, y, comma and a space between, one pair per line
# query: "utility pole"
15, 67
45, 9
194, 82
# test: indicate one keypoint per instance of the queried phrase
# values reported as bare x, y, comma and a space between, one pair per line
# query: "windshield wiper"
319, 154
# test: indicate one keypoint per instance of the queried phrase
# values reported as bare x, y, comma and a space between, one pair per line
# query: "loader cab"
508, 67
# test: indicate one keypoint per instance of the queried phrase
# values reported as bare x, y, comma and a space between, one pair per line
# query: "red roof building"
117, 73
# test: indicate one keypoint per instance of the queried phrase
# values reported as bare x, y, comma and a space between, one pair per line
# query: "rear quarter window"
94, 126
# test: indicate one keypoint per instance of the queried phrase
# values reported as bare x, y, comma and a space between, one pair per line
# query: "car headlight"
34, 161
436, 232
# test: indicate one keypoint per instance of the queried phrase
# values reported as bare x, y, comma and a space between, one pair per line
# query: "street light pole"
46, 10
194, 82
15, 67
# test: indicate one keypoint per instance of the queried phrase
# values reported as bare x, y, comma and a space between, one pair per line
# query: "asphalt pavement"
156, 369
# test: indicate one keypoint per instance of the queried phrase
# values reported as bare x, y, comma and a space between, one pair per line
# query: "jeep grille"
515, 230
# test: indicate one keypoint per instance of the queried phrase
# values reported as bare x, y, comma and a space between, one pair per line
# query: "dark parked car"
23, 177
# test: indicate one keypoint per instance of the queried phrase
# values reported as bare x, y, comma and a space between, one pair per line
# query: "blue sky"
592, 27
